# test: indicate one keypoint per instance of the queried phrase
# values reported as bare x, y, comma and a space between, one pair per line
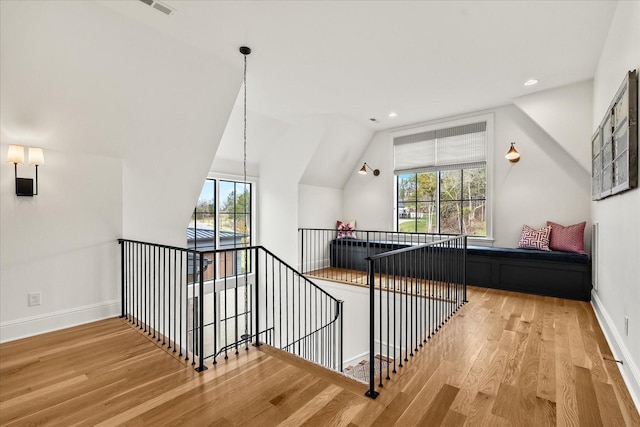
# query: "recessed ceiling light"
392, 114
531, 82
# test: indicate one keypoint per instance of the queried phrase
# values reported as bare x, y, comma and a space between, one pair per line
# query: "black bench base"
555, 274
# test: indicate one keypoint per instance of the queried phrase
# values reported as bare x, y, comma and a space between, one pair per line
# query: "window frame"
252, 214
438, 200
220, 284
442, 124
251, 207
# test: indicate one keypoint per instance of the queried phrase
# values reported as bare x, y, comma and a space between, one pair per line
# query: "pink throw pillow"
567, 239
535, 239
346, 230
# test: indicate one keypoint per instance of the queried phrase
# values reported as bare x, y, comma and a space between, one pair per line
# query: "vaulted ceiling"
346, 62
340, 62
364, 59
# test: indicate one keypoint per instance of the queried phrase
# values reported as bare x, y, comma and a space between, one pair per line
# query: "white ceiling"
363, 59
108, 79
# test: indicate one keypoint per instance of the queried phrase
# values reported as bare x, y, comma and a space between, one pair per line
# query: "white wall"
280, 172
618, 292
319, 207
292, 191
61, 243
129, 120
370, 199
547, 183
335, 156
554, 108
180, 118
355, 318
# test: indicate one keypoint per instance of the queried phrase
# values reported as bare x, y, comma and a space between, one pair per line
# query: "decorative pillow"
535, 239
346, 230
567, 239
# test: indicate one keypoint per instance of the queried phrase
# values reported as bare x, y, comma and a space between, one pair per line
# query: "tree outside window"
446, 201
234, 215
222, 220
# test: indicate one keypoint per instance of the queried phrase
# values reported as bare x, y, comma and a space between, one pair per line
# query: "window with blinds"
441, 179
463, 146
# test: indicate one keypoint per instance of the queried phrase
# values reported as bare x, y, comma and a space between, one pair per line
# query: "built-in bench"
549, 273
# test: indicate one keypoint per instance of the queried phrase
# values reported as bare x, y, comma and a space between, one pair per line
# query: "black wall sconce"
363, 170
512, 155
24, 186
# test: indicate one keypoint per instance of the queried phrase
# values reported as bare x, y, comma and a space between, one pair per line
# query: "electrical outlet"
626, 325
34, 298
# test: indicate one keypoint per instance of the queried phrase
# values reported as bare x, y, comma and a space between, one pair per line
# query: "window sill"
480, 241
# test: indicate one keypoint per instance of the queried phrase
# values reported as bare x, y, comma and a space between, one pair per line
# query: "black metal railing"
205, 305
413, 292
342, 256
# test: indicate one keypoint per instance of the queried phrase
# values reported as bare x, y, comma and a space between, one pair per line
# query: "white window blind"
456, 147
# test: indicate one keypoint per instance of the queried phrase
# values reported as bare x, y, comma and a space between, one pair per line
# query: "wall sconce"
512, 155
363, 170
24, 186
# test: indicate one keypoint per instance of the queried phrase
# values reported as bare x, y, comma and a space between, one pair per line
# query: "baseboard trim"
356, 359
365, 355
628, 370
35, 325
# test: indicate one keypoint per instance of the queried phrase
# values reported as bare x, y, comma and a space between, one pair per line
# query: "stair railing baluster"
372, 393
163, 294
201, 367
123, 270
257, 298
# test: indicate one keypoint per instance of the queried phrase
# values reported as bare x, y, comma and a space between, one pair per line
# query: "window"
451, 202
222, 220
441, 179
234, 214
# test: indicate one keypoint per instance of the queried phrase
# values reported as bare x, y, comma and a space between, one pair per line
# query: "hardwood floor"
504, 359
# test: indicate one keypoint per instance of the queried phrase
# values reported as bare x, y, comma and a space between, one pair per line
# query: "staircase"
204, 306
416, 282
361, 371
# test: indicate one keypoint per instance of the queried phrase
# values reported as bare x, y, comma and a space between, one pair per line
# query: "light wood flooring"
417, 287
504, 359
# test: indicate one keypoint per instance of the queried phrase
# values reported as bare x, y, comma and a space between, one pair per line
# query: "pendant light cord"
244, 165
244, 161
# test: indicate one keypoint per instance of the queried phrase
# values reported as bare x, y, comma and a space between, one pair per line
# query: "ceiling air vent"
159, 6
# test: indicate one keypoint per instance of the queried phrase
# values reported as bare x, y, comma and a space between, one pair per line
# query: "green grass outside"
421, 225
410, 226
